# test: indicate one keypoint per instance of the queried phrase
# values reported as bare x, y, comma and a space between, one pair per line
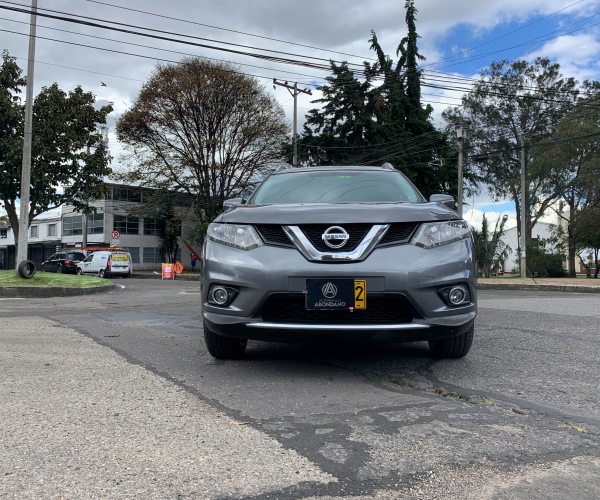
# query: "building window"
150, 227
95, 223
51, 229
73, 225
151, 254
125, 194
135, 254
34, 232
127, 225
3, 233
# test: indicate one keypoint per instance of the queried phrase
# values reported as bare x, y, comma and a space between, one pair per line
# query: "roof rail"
283, 167
388, 166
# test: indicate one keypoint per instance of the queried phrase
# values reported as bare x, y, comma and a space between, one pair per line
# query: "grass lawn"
10, 278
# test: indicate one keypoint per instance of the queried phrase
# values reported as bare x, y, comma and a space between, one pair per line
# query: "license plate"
341, 293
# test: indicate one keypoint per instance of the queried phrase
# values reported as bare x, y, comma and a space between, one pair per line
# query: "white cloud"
578, 55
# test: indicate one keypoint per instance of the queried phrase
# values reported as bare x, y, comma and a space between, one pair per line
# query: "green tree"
64, 127
363, 123
514, 100
569, 164
587, 230
204, 129
490, 250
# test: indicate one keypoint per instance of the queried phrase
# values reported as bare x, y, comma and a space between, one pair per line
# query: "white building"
138, 234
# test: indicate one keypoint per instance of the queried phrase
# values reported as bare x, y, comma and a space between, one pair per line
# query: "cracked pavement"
519, 417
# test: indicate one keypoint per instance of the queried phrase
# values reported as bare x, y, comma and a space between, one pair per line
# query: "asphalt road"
519, 417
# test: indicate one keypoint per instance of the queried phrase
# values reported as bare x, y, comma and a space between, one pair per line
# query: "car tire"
101, 273
125, 276
79, 271
222, 347
26, 269
43, 268
456, 347
60, 269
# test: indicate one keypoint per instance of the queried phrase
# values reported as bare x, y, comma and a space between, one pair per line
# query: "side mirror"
443, 199
231, 204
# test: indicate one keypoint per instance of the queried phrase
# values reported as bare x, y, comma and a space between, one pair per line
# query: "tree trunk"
572, 249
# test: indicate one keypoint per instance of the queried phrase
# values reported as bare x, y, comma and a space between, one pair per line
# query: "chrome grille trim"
361, 252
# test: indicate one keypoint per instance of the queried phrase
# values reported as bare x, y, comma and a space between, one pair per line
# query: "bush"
543, 264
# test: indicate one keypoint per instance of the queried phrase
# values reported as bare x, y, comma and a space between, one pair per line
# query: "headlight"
435, 234
234, 235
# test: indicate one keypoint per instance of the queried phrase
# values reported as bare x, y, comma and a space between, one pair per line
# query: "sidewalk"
79, 421
578, 285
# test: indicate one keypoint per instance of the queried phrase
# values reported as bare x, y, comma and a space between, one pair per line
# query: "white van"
106, 263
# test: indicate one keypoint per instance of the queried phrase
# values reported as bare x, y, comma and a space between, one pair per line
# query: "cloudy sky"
458, 38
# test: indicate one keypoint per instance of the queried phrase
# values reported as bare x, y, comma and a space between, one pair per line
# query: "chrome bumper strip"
296, 326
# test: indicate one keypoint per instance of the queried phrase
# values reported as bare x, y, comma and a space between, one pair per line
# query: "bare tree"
202, 128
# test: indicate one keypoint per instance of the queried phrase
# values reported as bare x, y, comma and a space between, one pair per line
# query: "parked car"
63, 262
107, 263
338, 254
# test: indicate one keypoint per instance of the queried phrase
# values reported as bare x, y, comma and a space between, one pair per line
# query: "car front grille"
397, 234
273, 234
391, 309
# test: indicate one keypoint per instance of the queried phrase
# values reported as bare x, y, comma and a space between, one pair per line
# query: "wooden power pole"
294, 91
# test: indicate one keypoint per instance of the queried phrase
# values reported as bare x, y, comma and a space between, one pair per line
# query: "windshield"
336, 187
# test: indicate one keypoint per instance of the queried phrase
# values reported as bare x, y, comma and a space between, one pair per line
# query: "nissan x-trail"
338, 254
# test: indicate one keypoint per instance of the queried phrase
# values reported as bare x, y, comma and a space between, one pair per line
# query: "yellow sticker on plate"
360, 294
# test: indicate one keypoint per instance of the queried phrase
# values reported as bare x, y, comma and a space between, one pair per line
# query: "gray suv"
338, 254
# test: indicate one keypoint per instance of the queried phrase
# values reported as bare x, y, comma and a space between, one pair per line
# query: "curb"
539, 288
34, 292
180, 277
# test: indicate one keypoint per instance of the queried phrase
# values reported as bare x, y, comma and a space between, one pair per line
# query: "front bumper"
407, 272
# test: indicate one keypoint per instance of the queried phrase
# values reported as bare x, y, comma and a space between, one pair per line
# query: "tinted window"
336, 187
75, 256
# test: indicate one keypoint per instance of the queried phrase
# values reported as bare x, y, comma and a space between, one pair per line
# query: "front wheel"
456, 347
79, 271
222, 347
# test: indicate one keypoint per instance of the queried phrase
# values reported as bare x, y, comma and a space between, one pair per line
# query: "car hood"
337, 213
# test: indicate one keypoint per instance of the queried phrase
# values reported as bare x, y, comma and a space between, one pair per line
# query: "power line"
94, 22
225, 29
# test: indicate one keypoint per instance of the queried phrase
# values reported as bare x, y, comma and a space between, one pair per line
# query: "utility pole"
523, 209
294, 91
23, 242
461, 144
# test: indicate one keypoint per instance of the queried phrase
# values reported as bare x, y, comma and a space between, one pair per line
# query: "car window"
89, 258
336, 187
75, 256
52, 257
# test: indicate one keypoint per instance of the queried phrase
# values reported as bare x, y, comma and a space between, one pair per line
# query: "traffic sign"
178, 267
115, 235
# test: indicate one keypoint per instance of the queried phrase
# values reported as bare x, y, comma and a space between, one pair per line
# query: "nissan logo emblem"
335, 237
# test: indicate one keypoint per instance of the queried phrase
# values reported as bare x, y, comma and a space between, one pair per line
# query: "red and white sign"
115, 235
167, 271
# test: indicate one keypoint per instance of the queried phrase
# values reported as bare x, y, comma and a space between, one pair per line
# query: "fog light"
220, 295
457, 295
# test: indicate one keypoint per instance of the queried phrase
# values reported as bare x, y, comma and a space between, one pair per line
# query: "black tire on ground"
456, 347
60, 269
101, 273
79, 271
221, 347
26, 269
43, 268
125, 276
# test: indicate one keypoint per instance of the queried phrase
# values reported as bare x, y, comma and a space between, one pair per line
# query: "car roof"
363, 168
